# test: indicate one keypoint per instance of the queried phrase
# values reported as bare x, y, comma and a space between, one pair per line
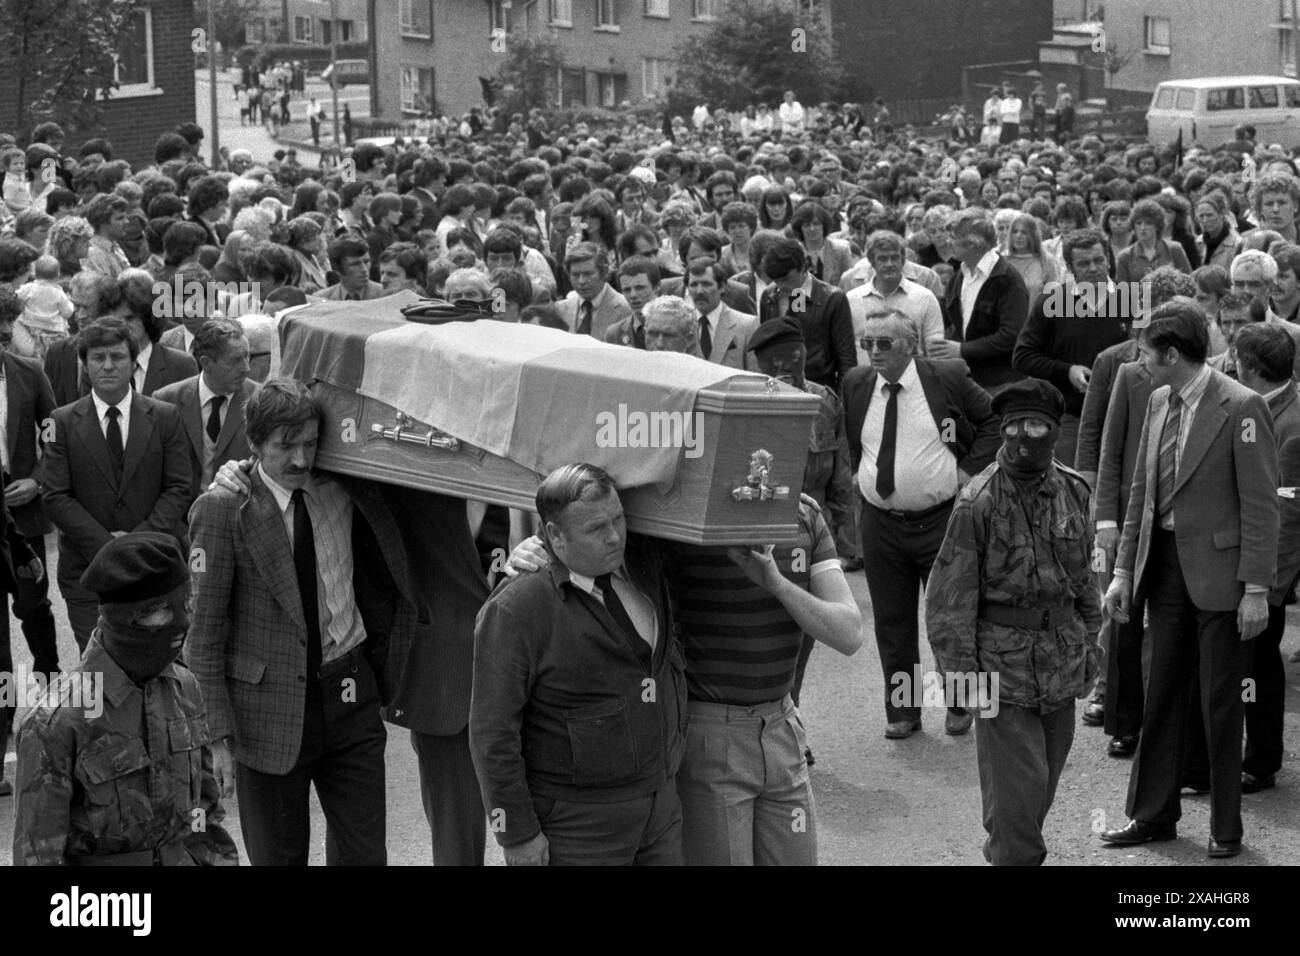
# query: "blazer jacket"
611, 309
247, 642
1225, 496
1121, 438
30, 403
1285, 409
86, 500
231, 440
999, 313
952, 396
166, 366
827, 331
66, 378
731, 340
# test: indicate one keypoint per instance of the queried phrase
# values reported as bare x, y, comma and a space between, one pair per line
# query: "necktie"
1167, 462
304, 566
615, 607
116, 453
706, 340
584, 323
638, 335
888, 444
214, 417
133, 371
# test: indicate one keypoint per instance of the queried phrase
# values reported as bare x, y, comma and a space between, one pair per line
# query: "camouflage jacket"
827, 477
1026, 545
137, 776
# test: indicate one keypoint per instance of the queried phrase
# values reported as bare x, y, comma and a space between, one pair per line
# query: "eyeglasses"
1031, 427
868, 343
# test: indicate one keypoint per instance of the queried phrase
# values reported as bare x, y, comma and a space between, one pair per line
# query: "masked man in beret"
1011, 601
114, 766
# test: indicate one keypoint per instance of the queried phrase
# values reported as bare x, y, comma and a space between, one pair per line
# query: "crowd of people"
1056, 377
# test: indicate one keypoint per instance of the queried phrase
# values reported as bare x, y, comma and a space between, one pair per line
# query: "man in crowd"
592, 307
889, 287
638, 279
821, 309
350, 260
724, 333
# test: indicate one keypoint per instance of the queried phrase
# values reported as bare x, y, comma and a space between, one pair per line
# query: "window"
1165, 98
704, 9
562, 12
657, 8
255, 31
1186, 100
611, 89
414, 18
1292, 94
1285, 53
1157, 35
1225, 98
302, 30
573, 88
1262, 97
654, 74
133, 66
417, 89
606, 14
498, 16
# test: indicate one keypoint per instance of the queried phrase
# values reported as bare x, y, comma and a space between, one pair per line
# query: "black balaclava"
1024, 457
145, 637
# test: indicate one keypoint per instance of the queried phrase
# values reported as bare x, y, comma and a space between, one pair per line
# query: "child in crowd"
46, 310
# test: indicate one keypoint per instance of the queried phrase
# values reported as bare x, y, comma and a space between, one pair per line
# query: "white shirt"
1010, 109
791, 117
123, 421
206, 395
713, 318
912, 299
925, 469
142, 367
639, 607
972, 280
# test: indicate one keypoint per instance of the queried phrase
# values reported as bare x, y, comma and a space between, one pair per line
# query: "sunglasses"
868, 343
1031, 427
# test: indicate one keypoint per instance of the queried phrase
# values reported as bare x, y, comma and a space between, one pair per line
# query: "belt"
914, 516
1034, 618
164, 855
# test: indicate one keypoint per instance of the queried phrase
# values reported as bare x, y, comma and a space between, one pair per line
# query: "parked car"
347, 71
1207, 110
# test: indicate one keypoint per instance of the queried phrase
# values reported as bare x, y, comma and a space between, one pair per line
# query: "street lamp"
334, 65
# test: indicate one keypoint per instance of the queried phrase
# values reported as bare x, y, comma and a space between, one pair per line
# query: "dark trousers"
32, 607
1188, 643
646, 831
898, 554
343, 755
83, 609
1264, 714
1021, 753
1124, 692
453, 802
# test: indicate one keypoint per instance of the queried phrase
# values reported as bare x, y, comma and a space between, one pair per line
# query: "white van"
1208, 109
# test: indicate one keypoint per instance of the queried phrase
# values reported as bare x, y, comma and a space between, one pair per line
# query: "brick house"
156, 76
615, 51
309, 21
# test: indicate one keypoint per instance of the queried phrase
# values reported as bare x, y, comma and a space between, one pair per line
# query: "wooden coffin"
738, 469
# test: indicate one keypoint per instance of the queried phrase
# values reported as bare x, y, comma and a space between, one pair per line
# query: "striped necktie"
1167, 462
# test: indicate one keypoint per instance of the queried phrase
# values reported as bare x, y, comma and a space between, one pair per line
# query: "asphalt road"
884, 802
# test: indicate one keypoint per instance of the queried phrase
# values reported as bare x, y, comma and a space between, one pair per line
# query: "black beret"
1031, 395
776, 331
136, 567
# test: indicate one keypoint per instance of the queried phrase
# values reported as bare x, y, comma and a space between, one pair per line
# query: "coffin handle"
402, 431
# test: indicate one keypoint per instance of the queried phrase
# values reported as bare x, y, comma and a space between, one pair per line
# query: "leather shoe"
808, 756
1094, 713
958, 722
1219, 849
1197, 787
1136, 832
1122, 746
899, 729
1250, 783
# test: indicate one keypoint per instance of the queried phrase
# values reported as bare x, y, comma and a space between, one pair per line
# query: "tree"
61, 56
758, 49
229, 17
530, 71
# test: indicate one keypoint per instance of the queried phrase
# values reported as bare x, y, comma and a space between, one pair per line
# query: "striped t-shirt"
741, 645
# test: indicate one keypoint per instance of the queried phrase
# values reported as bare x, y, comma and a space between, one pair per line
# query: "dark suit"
231, 440
999, 312
1224, 505
247, 645
29, 404
741, 293
88, 501
451, 571
167, 366
1121, 439
899, 550
67, 380
627, 332
9, 582
827, 330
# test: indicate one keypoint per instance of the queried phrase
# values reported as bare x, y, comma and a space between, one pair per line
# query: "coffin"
483, 410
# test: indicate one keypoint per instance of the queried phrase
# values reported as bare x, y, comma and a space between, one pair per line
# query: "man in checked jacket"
302, 620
